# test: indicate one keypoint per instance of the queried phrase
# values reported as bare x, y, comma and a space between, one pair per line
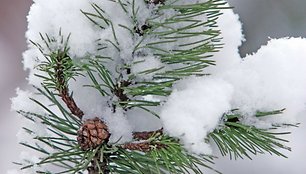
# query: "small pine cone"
92, 133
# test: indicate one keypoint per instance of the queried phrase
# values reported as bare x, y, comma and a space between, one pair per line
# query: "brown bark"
146, 135
143, 146
70, 103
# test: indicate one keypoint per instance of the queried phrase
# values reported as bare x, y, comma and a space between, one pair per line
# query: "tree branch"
143, 146
62, 86
70, 103
146, 135
119, 92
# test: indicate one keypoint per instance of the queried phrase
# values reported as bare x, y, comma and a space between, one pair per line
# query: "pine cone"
92, 133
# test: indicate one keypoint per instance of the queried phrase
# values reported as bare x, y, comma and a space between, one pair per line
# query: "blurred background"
261, 19
12, 44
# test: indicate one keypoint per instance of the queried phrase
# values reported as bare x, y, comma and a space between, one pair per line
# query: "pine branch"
119, 90
155, 143
143, 146
99, 165
147, 135
62, 88
60, 69
150, 151
71, 104
238, 140
172, 158
191, 58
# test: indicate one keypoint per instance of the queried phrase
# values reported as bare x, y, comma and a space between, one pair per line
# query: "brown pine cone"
92, 133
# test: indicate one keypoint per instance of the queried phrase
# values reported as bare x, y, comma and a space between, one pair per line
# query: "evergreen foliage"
149, 152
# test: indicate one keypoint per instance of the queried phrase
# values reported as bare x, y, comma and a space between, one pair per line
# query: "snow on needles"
194, 109
271, 79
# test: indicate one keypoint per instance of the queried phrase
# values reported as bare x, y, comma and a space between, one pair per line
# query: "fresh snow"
194, 109
272, 78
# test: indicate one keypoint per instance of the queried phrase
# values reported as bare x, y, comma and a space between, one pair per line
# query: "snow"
143, 65
86, 38
194, 109
272, 78
22, 102
232, 38
118, 125
93, 100
63, 15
